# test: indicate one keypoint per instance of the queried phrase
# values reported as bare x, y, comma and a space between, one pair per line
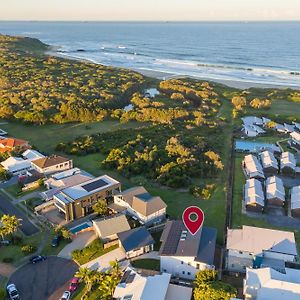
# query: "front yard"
148, 264
16, 190
94, 250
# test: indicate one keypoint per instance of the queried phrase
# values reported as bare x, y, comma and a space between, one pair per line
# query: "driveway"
81, 241
8, 208
45, 280
102, 263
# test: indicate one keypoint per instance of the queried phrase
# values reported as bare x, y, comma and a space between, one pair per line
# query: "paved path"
7, 207
81, 241
102, 263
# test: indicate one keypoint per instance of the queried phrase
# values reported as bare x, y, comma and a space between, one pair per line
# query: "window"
165, 270
189, 273
128, 297
198, 266
183, 272
182, 262
240, 252
189, 263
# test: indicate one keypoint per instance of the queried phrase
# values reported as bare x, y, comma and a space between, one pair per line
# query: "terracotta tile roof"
50, 161
9, 144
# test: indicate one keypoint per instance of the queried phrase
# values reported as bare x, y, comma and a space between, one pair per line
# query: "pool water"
80, 227
248, 146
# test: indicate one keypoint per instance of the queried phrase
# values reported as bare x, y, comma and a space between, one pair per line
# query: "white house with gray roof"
140, 204
254, 247
269, 284
269, 162
287, 162
254, 198
295, 140
183, 254
252, 167
295, 201
275, 192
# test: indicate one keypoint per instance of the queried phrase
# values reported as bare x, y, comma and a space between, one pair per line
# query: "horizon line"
153, 21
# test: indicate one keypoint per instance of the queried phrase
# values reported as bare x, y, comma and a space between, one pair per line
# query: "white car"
66, 295
12, 292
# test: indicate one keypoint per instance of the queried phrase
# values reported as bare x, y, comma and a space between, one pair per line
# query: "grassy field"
16, 191
46, 137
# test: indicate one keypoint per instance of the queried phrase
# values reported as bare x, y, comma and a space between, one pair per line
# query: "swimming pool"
253, 147
78, 228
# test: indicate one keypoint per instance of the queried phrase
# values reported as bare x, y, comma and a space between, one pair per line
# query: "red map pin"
193, 218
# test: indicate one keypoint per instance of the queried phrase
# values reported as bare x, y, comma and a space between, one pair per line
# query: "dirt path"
6, 269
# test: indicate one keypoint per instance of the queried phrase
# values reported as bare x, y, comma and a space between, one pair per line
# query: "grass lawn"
16, 191
148, 264
33, 202
46, 137
94, 295
14, 251
92, 251
49, 250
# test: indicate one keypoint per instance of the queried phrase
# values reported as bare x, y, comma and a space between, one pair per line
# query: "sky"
150, 10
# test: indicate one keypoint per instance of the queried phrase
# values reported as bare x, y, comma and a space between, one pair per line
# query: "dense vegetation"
37, 88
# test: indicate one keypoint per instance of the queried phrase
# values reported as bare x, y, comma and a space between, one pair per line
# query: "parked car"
66, 295
4, 243
12, 291
55, 241
37, 258
74, 284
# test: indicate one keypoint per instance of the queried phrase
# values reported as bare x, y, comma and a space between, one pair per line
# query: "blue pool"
80, 227
248, 146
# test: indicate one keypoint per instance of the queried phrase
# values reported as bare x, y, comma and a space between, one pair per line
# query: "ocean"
257, 52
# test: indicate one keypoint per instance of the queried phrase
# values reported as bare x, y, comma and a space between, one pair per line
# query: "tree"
208, 287
238, 102
4, 175
10, 224
89, 277
101, 207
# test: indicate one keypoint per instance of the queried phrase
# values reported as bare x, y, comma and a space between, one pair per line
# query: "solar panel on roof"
130, 278
125, 276
171, 244
94, 185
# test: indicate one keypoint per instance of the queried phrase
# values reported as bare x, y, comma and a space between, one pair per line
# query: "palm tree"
88, 277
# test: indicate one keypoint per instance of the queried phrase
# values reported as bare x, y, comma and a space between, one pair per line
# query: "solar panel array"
125, 276
94, 185
174, 235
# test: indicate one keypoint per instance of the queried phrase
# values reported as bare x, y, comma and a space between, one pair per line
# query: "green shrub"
2, 294
7, 260
27, 249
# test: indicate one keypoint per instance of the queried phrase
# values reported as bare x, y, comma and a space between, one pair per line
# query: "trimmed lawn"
148, 264
33, 202
49, 250
94, 250
46, 137
14, 251
16, 191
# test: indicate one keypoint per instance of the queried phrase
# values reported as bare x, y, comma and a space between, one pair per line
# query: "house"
140, 204
275, 192
287, 163
269, 284
269, 162
254, 247
251, 120
16, 165
135, 286
30, 155
136, 242
52, 164
107, 229
297, 126
12, 144
295, 140
31, 180
77, 201
183, 254
254, 198
295, 201
252, 167
280, 128
252, 130
289, 128
266, 121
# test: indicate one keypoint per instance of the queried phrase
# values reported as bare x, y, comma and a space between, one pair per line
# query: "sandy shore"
53, 51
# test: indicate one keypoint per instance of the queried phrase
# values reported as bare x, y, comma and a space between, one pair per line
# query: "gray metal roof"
206, 253
135, 238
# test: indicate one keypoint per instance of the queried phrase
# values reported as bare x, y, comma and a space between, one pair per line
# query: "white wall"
53, 169
183, 267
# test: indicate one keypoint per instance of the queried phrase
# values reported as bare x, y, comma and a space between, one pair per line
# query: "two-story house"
140, 204
183, 254
254, 247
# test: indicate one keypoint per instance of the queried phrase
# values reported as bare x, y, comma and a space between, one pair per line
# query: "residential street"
8, 208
